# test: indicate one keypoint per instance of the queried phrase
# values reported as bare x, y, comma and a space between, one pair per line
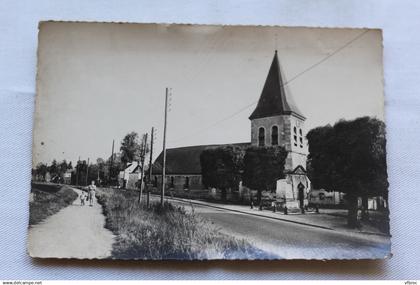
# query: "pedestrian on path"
91, 189
82, 198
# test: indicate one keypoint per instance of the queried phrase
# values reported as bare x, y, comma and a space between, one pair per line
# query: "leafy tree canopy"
130, 148
221, 167
349, 157
263, 166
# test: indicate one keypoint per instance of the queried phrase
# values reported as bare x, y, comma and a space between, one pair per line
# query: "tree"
130, 148
263, 166
100, 170
53, 169
350, 157
69, 166
114, 165
81, 169
319, 164
144, 149
221, 167
93, 174
62, 168
41, 170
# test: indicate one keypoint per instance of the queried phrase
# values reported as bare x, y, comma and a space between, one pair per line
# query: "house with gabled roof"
129, 177
276, 120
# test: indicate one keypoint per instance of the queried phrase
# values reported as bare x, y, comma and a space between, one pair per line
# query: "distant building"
130, 176
183, 167
275, 121
48, 177
67, 176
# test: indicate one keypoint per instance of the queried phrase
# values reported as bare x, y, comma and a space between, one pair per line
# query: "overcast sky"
97, 82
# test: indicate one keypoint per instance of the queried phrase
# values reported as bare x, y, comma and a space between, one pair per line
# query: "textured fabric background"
400, 21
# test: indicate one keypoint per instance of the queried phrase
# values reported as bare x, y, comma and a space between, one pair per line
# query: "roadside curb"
251, 214
275, 218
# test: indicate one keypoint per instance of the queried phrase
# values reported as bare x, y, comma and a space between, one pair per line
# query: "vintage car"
322, 197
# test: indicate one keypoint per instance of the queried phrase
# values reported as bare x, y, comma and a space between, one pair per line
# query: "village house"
130, 176
67, 176
276, 120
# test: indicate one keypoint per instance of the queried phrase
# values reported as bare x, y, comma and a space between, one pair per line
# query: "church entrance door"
301, 195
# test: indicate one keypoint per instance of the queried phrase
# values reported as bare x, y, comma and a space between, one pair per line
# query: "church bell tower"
277, 121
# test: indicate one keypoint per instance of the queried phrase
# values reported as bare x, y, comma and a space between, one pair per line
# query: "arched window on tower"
274, 135
295, 136
301, 138
261, 136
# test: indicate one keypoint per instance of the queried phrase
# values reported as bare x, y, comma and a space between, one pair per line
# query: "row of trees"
106, 171
84, 173
257, 167
350, 157
56, 169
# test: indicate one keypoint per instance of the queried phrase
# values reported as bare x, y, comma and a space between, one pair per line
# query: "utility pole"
164, 148
77, 172
98, 173
152, 137
87, 171
111, 163
143, 154
151, 154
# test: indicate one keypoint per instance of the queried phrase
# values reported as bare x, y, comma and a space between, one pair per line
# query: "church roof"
185, 160
274, 100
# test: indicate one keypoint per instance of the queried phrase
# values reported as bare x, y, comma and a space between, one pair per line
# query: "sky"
96, 82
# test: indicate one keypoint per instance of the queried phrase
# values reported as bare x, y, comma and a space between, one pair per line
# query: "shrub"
46, 204
166, 232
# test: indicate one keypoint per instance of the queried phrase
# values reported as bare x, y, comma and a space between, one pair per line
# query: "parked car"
324, 197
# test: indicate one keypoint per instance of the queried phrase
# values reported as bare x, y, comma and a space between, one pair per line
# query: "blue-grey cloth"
18, 44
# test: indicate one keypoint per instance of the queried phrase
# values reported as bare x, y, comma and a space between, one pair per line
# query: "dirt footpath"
74, 232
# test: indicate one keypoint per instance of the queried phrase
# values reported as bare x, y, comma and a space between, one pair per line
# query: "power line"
327, 57
284, 84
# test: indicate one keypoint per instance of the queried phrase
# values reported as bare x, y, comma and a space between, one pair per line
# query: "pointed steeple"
274, 100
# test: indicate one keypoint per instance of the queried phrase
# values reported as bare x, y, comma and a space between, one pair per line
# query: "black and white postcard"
195, 142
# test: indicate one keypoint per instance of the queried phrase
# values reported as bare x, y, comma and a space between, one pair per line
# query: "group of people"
89, 196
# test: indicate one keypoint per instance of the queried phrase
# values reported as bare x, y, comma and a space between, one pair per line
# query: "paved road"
289, 240
74, 232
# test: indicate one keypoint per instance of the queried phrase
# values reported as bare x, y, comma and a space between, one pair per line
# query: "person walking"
91, 189
82, 198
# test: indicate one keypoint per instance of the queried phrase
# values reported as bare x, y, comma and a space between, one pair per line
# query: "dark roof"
185, 160
274, 100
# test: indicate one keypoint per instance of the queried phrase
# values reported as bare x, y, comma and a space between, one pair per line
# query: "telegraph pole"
164, 148
77, 172
87, 171
111, 163
142, 165
98, 174
151, 154
152, 137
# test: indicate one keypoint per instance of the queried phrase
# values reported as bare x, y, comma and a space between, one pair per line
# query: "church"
276, 120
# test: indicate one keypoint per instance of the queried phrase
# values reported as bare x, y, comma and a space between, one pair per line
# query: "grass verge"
45, 204
166, 232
